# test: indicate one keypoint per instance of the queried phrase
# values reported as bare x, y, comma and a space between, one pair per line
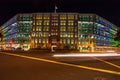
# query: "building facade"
72, 31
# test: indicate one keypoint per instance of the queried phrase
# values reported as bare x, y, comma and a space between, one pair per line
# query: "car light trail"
66, 64
86, 55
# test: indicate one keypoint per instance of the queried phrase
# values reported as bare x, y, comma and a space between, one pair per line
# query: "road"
45, 67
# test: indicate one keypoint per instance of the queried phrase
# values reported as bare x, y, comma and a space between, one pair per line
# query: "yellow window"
63, 17
70, 16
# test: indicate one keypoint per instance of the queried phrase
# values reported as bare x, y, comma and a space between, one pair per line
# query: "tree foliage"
1, 36
117, 38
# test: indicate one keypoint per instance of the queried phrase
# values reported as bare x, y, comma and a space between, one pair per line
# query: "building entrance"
53, 48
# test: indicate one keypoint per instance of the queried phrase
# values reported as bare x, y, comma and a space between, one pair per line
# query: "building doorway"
53, 48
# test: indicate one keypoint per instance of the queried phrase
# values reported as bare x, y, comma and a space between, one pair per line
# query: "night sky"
109, 9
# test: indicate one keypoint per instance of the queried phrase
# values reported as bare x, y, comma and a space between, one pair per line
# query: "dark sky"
109, 9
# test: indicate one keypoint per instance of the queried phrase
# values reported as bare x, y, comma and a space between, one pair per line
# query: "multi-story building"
82, 32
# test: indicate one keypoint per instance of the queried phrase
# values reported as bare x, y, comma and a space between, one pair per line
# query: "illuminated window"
43, 40
68, 41
86, 18
63, 17
37, 34
70, 16
68, 35
63, 35
70, 29
76, 17
26, 30
40, 41
33, 23
64, 41
46, 23
37, 28
85, 25
45, 34
36, 41
76, 35
70, 23
91, 25
72, 41
91, 18
20, 24
54, 24
97, 20
46, 29
62, 23
38, 22
71, 35
55, 17
84, 30
25, 35
61, 41
54, 34
25, 18
60, 35
40, 28
46, 40
84, 36
84, 42
62, 28
39, 17
46, 17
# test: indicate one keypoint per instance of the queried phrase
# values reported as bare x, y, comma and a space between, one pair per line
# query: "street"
21, 66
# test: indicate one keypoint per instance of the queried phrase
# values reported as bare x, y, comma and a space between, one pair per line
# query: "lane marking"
112, 64
66, 64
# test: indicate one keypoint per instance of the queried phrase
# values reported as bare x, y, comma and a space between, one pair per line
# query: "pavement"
43, 66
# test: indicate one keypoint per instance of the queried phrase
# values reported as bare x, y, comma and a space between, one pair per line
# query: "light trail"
66, 64
86, 55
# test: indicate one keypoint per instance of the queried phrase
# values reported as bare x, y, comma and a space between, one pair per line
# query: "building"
81, 32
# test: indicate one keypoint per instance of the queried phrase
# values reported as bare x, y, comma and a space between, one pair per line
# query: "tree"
117, 37
1, 36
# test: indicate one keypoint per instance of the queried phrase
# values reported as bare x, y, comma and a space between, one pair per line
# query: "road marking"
107, 62
66, 64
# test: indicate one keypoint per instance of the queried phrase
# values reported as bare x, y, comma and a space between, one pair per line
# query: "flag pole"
55, 9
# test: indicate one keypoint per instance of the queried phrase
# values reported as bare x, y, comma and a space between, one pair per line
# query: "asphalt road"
14, 67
